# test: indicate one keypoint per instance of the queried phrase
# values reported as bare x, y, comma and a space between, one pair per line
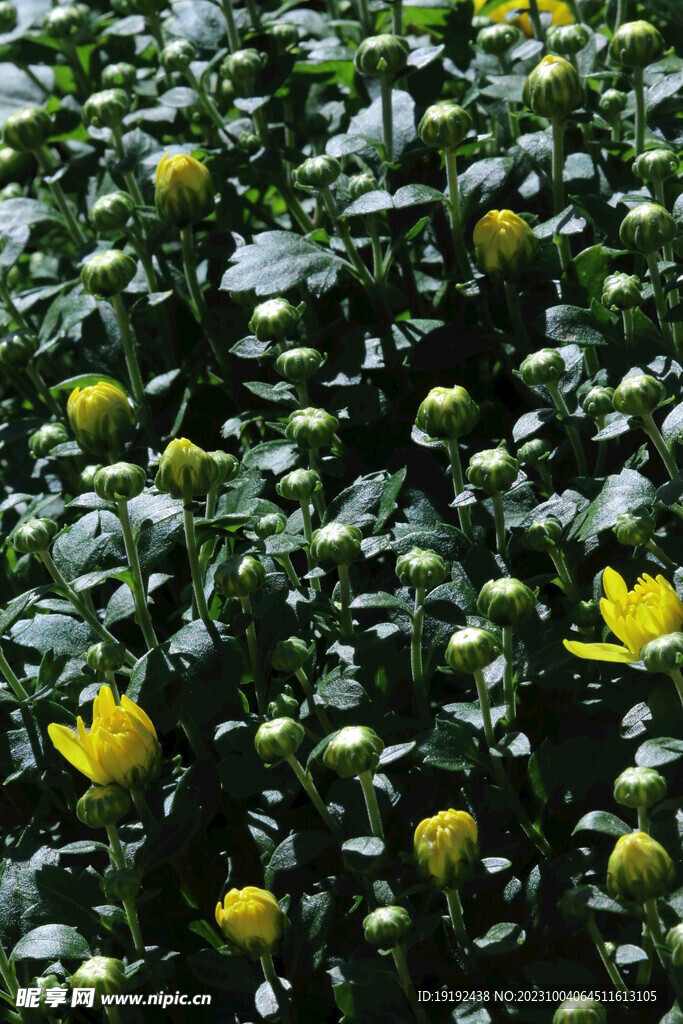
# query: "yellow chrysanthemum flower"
121, 747
446, 846
651, 610
251, 919
559, 10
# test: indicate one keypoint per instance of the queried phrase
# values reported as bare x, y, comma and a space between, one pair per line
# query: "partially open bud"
336, 544
311, 428
240, 576
497, 39
493, 470
639, 395
544, 534
251, 920
27, 130
385, 927
639, 868
275, 319
580, 1011
534, 452
634, 527
567, 39
446, 847
665, 654
47, 437
106, 109
227, 466
243, 68
119, 76
8, 16
553, 89
507, 601
178, 55
504, 244
103, 805
361, 184
647, 228
101, 417
269, 525
612, 102
299, 364
278, 739
111, 212
444, 125
622, 291
352, 750
121, 481
471, 649
34, 536
382, 56
185, 470
317, 172
447, 412
674, 940
183, 190
289, 655
656, 165
16, 350
543, 367
122, 883
636, 44
107, 273
106, 656
639, 787
298, 485
65, 22
421, 568
103, 973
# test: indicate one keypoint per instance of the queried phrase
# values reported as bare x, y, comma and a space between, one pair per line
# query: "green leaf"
619, 493
502, 938
603, 822
450, 747
664, 750
278, 261
295, 851
276, 457
572, 325
51, 942
85, 380
481, 182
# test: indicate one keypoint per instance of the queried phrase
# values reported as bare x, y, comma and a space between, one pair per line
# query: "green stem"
110, 678
654, 927
194, 736
621, 15
643, 819
560, 564
485, 705
342, 227
309, 786
195, 569
128, 176
310, 693
308, 534
590, 360
397, 17
8, 973
629, 337
464, 514
365, 779
455, 214
38, 381
208, 104
406, 982
499, 517
678, 683
138, 585
419, 682
5, 668
233, 35
285, 562
660, 301
661, 199
562, 241
535, 19
187, 241
656, 550
387, 119
119, 861
19, 318
364, 17
610, 966
253, 14
654, 433
46, 165
572, 432
457, 919
113, 1015
302, 394
132, 364
142, 807
377, 254
509, 681
518, 325
82, 82
345, 595
639, 92
254, 659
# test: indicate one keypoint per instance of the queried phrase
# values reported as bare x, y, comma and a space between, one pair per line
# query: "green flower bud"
574, 905
598, 402
447, 412
567, 39
87, 476
111, 212
13, 165
639, 395
444, 125
656, 165
16, 350
227, 466
382, 56
100, 417
352, 750
122, 883
103, 973
47, 437
580, 1011
311, 428
674, 940
183, 191
553, 89
289, 655
178, 55
507, 602
106, 656
269, 525
103, 805
121, 481
243, 68
544, 534
317, 172
284, 34
27, 130
65, 22
361, 184
665, 654
543, 367
534, 452
106, 109
647, 228
612, 102
493, 470
636, 44
298, 485
504, 244
622, 291
275, 319
336, 544
586, 614
639, 868
34, 536
41, 1010
639, 787
278, 739
185, 470
299, 364
497, 39
421, 568
119, 76
285, 705
480, 21
471, 649
240, 576
385, 927
446, 846
634, 527
107, 273
8, 17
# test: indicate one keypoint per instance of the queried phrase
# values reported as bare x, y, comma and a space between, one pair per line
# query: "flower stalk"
365, 779
311, 789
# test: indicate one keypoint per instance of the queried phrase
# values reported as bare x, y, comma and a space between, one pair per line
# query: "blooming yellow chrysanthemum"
559, 10
652, 609
121, 747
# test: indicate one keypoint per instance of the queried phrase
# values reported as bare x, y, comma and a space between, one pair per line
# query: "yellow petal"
614, 621
135, 709
104, 703
67, 742
614, 586
600, 652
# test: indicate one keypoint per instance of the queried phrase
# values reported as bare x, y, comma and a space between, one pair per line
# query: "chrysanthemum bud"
639, 868
636, 44
361, 184
553, 89
240, 576
103, 805
269, 525
111, 212
586, 614
107, 273
507, 601
317, 172
639, 787
446, 847
227, 466
299, 364
311, 428
634, 527
185, 470
382, 56
100, 417
447, 412
336, 544
567, 39
352, 750
298, 485
639, 395
421, 568
504, 244
178, 55
471, 649
65, 22
544, 534
27, 130
444, 125
41, 1009
119, 76
612, 102
103, 973
278, 739
289, 655
243, 68
284, 34
543, 367
674, 940
251, 920
121, 481
647, 228
275, 319
385, 927
87, 476
47, 437
34, 536
656, 165
493, 470
8, 16
106, 109
664, 654
106, 656
497, 39
184, 190
285, 705
622, 291
16, 350
580, 1011
122, 883
13, 165
534, 452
